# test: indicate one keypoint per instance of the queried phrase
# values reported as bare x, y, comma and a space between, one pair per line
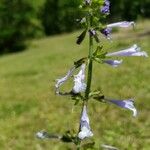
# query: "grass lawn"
28, 103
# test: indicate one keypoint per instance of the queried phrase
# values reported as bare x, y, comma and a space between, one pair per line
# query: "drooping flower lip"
64, 79
132, 51
127, 104
85, 130
113, 63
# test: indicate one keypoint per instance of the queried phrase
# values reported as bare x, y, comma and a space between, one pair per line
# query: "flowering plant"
94, 13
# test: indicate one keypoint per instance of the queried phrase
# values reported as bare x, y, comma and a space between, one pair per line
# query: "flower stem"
90, 65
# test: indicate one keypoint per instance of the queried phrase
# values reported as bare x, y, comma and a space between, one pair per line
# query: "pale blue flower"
113, 63
79, 81
127, 104
132, 51
85, 130
123, 24
63, 79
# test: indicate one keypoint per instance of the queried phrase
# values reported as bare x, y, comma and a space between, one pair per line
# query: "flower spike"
127, 104
132, 51
79, 84
85, 130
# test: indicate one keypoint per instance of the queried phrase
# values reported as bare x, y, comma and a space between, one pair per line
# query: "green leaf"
81, 37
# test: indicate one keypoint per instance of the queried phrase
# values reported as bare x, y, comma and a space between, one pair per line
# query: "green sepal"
79, 62
68, 136
98, 50
77, 98
99, 55
81, 37
97, 95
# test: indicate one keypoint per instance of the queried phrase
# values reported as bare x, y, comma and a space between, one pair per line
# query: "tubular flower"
79, 83
85, 130
63, 79
124, 24
105, 9
132, 51
127, 104
113, 63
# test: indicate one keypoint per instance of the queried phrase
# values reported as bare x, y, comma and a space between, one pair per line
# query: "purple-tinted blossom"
132, 51
107, 32
79, 83
123, 24
127, 104
63, 79
105, 9
85, 130
92, 32
113, 63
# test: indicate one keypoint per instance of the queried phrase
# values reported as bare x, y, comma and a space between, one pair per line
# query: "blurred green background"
24, 19
27, 100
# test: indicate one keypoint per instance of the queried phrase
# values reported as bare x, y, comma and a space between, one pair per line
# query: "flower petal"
132, 51
113, 63
64, 79
79, 83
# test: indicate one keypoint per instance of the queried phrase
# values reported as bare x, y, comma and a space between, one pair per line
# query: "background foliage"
59, 16
18, 21
130, 9
23, 19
